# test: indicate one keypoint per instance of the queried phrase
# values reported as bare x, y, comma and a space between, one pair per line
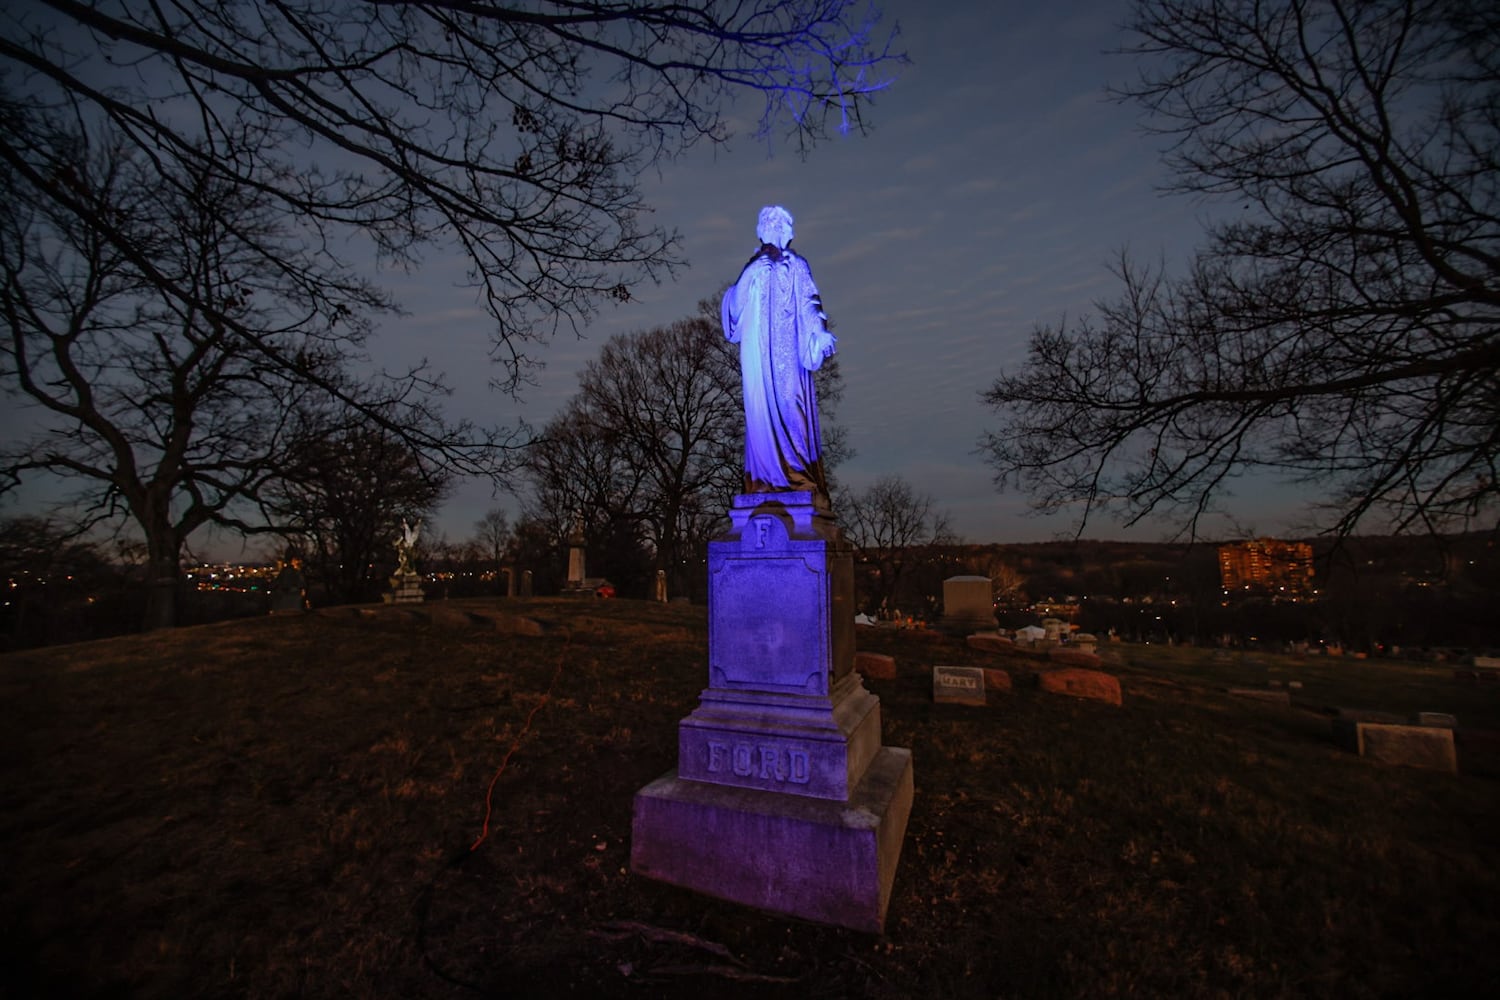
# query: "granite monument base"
823, 860
406, 588
783, 797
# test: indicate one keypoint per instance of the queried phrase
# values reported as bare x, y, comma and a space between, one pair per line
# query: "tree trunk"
163, 577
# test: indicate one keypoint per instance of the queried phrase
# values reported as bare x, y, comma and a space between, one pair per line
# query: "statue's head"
775, 226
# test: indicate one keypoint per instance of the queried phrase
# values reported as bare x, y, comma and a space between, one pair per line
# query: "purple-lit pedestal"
783, 797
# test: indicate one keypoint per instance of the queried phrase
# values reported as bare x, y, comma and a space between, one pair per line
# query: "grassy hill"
297, 807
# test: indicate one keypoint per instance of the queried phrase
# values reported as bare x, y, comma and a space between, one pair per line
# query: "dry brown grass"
285, 807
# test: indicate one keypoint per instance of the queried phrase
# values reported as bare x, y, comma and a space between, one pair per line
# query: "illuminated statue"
404, 546
774, 314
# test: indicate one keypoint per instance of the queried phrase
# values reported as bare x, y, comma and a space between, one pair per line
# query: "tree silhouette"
494, 538
515, 132
889, 522
1342, 327
345, 490
653, 444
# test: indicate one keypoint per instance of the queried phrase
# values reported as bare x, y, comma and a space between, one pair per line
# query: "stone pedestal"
783, 797
406, 588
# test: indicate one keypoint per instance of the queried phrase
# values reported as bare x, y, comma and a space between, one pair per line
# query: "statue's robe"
774, 314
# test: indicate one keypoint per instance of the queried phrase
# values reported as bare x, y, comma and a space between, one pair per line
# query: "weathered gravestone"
958, 685
875, 665
526, 583
1081, 683
576, 583
783, 797
1427, 747
1442, 720
968, 605
990, 642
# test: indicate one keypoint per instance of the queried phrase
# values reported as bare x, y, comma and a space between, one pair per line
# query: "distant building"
1267, 565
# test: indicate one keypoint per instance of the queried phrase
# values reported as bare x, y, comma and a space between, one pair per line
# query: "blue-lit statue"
774, 314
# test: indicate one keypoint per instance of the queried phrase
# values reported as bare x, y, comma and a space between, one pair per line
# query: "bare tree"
1342, 328
150, 401
654, 441
345, 490
515, 131
1007, 582
494, 539
60, 587
887, 523
669, 399
576, 469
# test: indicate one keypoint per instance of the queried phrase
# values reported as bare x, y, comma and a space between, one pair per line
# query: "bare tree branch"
1344, 329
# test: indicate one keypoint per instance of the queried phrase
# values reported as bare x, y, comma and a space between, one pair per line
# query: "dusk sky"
996, 183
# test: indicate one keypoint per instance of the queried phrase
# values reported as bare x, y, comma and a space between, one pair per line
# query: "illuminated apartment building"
1267, 565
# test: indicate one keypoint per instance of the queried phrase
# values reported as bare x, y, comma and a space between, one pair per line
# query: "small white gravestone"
1028, 634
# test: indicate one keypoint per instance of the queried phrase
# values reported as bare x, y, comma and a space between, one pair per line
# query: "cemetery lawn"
285, 807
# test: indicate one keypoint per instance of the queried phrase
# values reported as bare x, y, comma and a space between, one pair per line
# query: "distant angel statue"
773, 312
405, 544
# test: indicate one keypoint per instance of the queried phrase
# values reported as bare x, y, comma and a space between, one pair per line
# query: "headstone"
968, 605
1030, 635
1085, 643
996, 680
990, 642
510, 581
875, 666
1053, 629
1080, 683
661, 586
958, 685
526, 584
1427, 747
1491, 662
783, 797
577, 582
1440, 719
